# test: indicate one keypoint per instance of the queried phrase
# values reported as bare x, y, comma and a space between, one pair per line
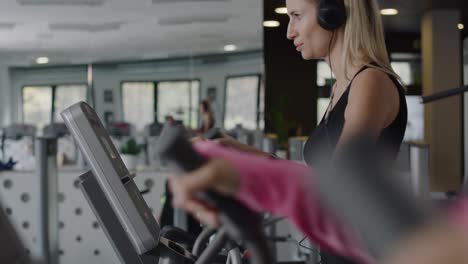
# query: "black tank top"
323, 140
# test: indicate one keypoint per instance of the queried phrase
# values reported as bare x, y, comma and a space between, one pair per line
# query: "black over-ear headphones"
331, 14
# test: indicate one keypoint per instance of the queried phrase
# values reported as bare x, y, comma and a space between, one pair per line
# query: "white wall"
210, 73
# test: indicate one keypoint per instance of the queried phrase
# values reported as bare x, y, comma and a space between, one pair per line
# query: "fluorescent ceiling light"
389, 12
42, 60
271, 23
230, 47
281, 10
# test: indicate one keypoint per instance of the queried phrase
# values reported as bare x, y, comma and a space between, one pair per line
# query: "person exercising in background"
367, 98
206, 117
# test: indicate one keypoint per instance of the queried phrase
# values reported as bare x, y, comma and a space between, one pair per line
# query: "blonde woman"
367, 98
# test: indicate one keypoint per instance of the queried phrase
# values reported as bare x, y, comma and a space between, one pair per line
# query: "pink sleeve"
285, 188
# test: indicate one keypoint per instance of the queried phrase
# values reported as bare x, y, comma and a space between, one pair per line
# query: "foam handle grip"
175, 149
178, 151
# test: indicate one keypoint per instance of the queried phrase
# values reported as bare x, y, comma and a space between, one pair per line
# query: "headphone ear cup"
331, 14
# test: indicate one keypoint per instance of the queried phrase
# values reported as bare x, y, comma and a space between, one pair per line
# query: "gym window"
244, 102
403, 69
323, 74
147, 102
41, 105
325, 79
405, 65
415, 125
138, 103
408, 67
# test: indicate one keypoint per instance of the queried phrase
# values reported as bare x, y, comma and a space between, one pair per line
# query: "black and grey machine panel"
113, 176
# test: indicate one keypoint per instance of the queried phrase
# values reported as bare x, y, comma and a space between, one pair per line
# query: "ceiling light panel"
7, 26
184, 20
185, 1
61, 2
92, 28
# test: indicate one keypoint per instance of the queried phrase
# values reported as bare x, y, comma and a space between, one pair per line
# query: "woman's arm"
278, 186
373, 104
